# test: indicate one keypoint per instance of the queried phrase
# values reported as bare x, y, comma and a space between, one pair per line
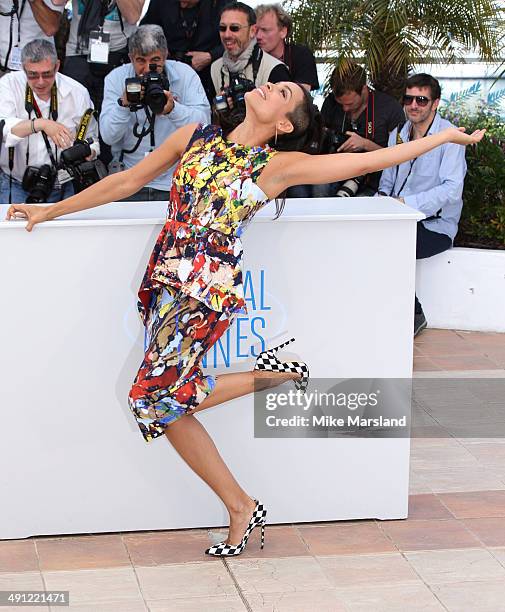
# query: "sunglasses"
420, 100
32, 76
234, 27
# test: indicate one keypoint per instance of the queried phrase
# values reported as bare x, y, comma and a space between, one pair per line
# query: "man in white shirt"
22, 21
41, 111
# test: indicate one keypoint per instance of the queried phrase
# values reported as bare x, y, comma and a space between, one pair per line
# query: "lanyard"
412, 162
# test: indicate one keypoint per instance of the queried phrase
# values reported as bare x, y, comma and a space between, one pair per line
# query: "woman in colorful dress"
192, 288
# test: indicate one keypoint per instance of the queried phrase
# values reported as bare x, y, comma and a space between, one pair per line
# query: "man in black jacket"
360, 119
273, 28
191, 28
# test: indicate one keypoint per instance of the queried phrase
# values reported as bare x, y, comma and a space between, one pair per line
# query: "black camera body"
148, 91
83, 172
39, 183
333, 140
235, 92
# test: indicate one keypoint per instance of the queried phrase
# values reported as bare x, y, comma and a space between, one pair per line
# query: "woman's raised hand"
459, 136
33, 214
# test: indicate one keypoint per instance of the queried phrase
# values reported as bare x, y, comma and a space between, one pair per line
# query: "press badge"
14, 62
99, 43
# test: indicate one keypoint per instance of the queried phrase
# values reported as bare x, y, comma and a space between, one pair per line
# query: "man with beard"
432, 183
243, 56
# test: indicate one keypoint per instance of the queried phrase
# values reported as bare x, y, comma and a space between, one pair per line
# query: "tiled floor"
448, 555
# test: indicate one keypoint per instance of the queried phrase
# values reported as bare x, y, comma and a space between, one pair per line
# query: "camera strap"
11, 158
369, 118
256, 57
32, 106
83, 125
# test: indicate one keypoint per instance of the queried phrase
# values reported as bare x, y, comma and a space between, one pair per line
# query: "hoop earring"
275, 139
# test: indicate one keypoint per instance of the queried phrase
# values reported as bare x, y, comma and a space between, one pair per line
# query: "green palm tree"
390, 37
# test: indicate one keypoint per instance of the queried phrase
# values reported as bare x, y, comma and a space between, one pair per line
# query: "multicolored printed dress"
192, 288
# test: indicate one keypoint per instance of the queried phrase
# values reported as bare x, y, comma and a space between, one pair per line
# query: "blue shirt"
435, 182
116, 122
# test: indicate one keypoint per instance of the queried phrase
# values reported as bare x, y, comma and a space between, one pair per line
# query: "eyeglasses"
35, 76
420, 100
234, 27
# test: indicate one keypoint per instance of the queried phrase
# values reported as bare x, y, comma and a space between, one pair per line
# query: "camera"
38, 182
236, 91
83, 172
147, 90
181, 56
333, 141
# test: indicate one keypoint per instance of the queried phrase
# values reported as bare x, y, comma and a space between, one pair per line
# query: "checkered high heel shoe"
233, 550
268, 361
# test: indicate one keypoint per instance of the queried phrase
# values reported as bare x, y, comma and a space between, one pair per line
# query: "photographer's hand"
124, 100
200, 59
57, 132
169, 106
356, 144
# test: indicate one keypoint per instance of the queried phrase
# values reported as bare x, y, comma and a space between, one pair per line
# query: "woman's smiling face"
272, 102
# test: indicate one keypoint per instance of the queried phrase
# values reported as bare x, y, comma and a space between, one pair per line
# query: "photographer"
22, 21
145, 102
191, 28
98, 38
43, 111
243, 56
357, 119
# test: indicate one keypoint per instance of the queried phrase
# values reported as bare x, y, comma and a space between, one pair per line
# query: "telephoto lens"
349, 188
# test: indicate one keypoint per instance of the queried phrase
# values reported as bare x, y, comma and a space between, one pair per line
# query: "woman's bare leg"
191, 440
237, 384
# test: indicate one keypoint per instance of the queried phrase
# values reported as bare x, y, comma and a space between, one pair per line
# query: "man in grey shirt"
134, 130
432, 183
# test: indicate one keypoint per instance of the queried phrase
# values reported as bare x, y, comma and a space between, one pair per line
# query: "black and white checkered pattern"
230, 550
268, 361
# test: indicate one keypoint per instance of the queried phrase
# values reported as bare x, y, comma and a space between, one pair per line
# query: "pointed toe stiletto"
267, 361
233, 550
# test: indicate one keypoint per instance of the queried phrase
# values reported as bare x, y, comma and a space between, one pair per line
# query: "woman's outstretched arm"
287, 169
112, 188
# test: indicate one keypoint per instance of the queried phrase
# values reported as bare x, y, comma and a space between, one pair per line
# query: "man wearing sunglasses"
242, 54
432, 183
